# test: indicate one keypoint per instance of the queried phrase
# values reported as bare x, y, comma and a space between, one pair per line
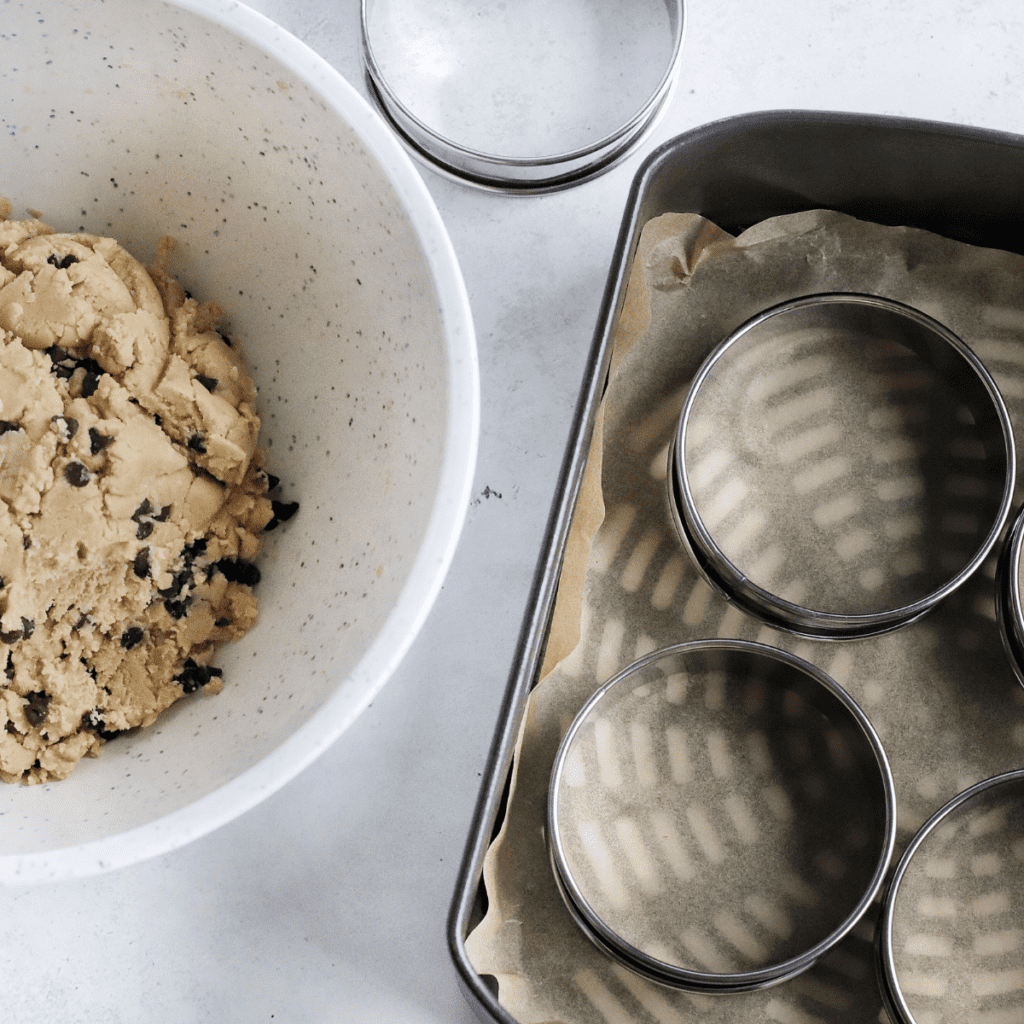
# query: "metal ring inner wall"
1009, 606
833, 505
721, 586
954, 974
703, 784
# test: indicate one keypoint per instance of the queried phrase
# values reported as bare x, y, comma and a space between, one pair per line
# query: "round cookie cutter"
948, 938
720, 815
842, 463
525, 97
1009, 606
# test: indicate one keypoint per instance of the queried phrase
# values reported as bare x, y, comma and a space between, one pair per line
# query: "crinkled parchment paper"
940, 694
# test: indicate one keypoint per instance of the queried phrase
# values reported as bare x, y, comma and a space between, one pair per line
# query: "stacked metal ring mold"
502, 99
842, 464
720, 815
1009, 607
948, 940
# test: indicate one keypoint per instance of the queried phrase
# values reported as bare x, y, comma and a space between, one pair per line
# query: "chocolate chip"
239, 571
283, 511
178, 609
192, 676
132, 637
9, 667
222, 622
61, 262
140, 564
26, 543
208, 382
196, 444
176, 605
93, 721
76, 474
195, 549
28, 627
224, 338
70, 424
178, 582
11, 727
89, 365
38, 702
272, 481
144, 509
158, 419
98, 441
6, 427
63, 361
144, 530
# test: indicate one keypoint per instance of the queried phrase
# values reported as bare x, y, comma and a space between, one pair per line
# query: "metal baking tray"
956, 181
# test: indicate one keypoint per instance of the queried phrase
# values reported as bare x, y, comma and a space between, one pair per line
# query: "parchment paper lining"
939, 693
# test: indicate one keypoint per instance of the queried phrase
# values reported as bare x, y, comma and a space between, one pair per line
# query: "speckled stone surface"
328, 901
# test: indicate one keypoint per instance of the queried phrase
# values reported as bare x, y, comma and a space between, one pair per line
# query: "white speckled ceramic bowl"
296, 209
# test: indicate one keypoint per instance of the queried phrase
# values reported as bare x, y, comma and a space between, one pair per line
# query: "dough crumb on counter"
132, 495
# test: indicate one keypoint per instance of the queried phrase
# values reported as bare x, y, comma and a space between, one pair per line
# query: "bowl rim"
233, 798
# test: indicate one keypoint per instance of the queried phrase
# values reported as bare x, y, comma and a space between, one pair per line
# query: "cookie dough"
132, 496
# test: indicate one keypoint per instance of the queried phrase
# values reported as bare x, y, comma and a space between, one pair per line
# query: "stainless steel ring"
893, 995
1009, 606
739, 668
511, 173
937, 348
721, 586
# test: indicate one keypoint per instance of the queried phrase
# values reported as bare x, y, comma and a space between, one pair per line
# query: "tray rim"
540, 602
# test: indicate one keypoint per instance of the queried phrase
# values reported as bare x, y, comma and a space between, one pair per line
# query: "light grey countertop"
328, 902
